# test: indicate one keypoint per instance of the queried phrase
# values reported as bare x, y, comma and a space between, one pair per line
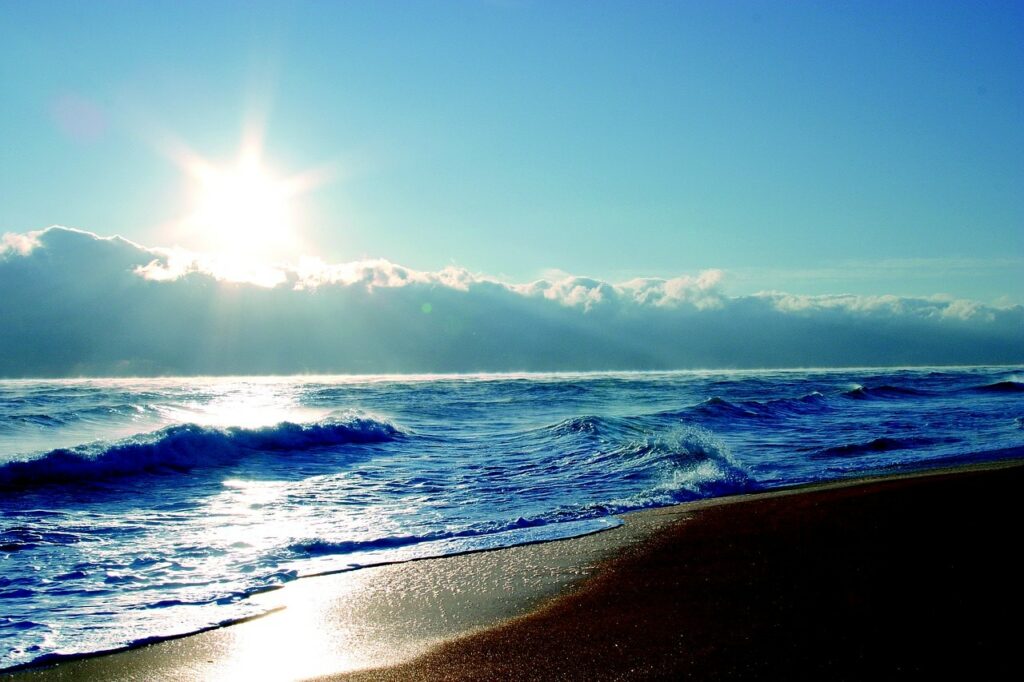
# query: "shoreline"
62, 660
907, 577
395, 620
370, 610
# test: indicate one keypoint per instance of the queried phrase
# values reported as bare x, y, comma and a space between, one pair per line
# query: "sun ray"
242, 213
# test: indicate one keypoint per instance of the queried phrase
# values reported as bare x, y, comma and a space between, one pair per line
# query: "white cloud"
310, 273
933, 307
313, 273
75, 303
21, 244
173, 264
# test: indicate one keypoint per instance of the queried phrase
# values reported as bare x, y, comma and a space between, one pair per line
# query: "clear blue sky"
868, 147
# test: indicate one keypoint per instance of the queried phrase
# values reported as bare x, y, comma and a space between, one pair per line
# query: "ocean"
138, 509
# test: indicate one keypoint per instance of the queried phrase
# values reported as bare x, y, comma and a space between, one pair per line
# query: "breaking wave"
679, 465
184, 447
718, 408
882, 392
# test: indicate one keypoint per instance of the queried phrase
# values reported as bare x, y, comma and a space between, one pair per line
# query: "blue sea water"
138, 509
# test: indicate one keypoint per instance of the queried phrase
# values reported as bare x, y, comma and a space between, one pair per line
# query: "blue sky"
869, 148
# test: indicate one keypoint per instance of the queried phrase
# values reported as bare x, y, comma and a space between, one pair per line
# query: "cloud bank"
73, 303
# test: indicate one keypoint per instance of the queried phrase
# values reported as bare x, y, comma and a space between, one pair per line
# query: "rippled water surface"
134, 509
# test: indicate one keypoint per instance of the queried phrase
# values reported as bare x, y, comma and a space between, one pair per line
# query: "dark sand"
901, 577
894, 579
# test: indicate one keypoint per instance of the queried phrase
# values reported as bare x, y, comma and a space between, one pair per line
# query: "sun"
244, 208
243, 211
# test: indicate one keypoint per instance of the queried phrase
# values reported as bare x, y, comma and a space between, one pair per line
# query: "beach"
903, 576
505, 340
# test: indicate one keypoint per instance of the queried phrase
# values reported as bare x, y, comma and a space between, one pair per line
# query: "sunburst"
243, 211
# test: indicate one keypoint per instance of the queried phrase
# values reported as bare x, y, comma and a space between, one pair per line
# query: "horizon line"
506, 374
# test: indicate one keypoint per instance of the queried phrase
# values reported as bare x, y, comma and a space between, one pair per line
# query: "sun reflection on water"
245, 404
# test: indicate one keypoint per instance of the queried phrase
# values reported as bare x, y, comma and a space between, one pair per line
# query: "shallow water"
138, 509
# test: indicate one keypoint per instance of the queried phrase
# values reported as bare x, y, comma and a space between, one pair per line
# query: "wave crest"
883, 392
685, 464
184, 447
1001, 387
718, 408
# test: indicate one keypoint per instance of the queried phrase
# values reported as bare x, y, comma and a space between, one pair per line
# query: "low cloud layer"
73, 303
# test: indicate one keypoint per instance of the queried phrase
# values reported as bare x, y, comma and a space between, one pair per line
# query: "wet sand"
901, 577
370, 617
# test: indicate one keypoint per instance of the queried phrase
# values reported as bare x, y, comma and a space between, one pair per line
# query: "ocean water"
132, 510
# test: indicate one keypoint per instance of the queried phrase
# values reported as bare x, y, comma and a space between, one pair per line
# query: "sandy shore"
897, 577
371, 617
